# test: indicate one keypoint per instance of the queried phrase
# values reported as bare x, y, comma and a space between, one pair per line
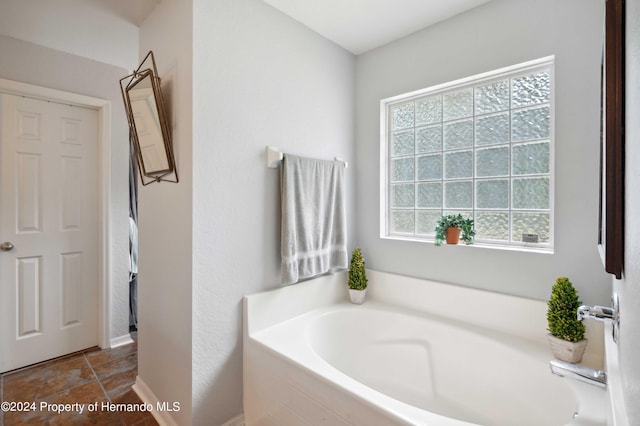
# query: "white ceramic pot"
567, 351
357, 296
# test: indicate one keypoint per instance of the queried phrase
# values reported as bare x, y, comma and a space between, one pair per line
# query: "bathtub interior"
445, 368
494, 369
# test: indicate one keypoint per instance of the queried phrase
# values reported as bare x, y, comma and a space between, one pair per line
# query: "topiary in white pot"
566, 331
357, 277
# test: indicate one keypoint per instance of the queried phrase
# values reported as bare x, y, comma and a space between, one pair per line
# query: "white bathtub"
310, 357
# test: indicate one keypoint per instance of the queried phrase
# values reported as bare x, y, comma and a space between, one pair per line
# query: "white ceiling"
134, 11
361, 25
356, 25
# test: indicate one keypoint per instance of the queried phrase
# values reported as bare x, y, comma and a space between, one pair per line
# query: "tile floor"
84, 379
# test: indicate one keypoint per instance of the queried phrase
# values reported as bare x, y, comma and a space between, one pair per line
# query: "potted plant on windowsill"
452, 228
566, 331
357, 277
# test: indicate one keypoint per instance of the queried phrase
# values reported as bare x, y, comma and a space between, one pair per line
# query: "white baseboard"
236, 421
163, 417
120, 341
147, 396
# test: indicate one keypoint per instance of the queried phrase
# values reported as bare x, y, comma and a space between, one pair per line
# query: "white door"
48, 230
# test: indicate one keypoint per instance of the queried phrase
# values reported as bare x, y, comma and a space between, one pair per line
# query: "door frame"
103, 107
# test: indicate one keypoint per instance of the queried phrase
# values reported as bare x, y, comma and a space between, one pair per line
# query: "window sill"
478, 245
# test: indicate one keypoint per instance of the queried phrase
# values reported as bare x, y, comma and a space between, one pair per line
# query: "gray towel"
314, 219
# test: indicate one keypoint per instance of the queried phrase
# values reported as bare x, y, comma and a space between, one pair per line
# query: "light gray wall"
33, 64
495, 35
165, 212
260, 78
629, 287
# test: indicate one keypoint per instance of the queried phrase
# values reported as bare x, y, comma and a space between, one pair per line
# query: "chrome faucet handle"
603, 314
598, 313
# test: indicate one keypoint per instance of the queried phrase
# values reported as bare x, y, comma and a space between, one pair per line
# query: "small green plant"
457, 221
357, 274
562, 311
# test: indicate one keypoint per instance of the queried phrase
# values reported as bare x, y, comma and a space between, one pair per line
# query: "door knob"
6, 246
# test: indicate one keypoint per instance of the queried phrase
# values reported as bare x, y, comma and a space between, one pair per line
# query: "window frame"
470, 82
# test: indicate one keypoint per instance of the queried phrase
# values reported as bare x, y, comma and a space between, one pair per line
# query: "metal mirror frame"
170, 174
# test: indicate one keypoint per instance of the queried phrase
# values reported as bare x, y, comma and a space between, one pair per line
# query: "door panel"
48, 210
28, 206
29, 296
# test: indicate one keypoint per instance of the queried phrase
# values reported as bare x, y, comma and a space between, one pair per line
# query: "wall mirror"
612, 141
148, 125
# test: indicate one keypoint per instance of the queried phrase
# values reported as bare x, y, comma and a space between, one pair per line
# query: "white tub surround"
617, 414
416, 352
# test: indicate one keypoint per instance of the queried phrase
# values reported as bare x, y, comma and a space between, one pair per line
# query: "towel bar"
274, 156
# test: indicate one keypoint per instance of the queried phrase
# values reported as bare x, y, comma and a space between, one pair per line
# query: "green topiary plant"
357, 274
562, 311
456, 221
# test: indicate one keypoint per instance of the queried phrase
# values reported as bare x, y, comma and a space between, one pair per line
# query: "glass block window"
482, 147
